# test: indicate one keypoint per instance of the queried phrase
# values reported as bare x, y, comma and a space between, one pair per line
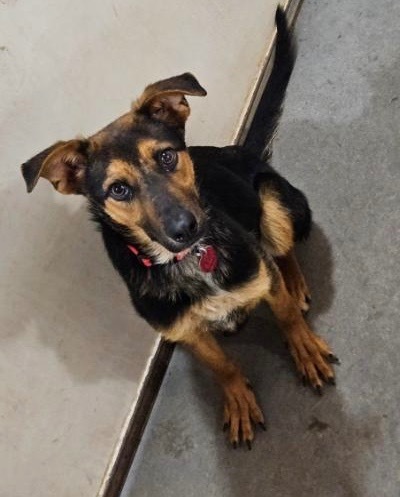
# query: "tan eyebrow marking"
119, 170
147, 148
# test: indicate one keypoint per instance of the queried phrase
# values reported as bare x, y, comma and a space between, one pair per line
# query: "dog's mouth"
181, 255
163, 249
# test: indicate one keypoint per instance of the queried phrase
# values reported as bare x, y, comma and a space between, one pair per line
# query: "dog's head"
136, 172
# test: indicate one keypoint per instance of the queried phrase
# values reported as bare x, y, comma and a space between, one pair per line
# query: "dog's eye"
168, 159
120, 191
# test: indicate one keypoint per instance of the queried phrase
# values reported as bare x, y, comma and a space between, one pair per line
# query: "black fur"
269, 109
228, 180
230, 177
162, 293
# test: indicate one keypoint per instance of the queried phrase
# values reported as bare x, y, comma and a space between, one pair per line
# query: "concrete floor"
340, 142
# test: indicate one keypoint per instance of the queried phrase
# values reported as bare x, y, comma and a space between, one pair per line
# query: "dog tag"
208, 259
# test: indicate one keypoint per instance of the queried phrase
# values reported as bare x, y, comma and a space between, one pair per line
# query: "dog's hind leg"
311, 354
285, 219
294, 280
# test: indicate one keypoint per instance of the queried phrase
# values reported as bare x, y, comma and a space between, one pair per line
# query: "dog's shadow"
316, 260
309, 446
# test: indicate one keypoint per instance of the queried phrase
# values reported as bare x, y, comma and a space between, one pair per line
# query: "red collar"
208, 258
144, 260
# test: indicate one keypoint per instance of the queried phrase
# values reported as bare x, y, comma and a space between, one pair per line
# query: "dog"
200, 235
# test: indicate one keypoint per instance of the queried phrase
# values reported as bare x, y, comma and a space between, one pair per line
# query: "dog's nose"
182, 226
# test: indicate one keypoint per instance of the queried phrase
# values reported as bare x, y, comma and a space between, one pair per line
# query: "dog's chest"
221, 305
223, 309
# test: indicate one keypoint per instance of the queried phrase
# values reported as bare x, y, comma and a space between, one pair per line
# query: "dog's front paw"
241, 412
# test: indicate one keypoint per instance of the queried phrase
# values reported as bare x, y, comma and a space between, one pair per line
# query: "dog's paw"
241, 412
313, 358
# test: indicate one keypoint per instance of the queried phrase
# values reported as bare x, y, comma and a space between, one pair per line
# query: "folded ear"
62, 164
165, 100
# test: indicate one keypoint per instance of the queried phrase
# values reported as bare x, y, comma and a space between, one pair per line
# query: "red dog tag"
208, 259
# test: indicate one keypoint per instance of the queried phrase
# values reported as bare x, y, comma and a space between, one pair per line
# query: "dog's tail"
265, 122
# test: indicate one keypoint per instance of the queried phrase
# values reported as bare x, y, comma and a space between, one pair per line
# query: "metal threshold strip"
118, 469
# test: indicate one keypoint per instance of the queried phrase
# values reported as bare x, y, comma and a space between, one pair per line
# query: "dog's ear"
63, 164
165, 100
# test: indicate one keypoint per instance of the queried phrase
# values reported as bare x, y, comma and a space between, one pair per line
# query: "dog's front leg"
311, 354
240, 406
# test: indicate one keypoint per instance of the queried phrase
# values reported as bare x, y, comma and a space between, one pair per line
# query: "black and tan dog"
200, 235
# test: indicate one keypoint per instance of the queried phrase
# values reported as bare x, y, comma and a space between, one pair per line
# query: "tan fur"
309, 351
124, 213
183, 176
153, 95
62, 167
294, 280
147, 148
183, 84
165, 100
131, 215
276, 225
184, 179
171, 107
119, 170
240, 405
180, 184
216, 307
